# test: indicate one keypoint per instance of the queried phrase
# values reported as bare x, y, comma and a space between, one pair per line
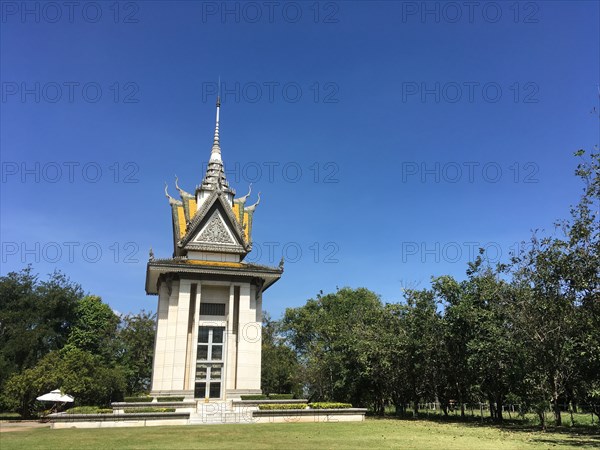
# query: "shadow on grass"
590, 433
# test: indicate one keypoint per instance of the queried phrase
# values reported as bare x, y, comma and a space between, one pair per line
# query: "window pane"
212, 309
217, 335
217, 352
200, 390
201, 372
203, 352
215, 390
203, 334
215, 373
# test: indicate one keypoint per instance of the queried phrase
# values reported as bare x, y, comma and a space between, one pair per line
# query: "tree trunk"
556, 407
445, 409
400, 408
499, 417
415, 409
557, 415
542, 417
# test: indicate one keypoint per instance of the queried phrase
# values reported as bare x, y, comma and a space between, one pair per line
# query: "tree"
559, 282
329, 335
95, 328
35, 318
74, 371
136, 349
423, 343
280, 368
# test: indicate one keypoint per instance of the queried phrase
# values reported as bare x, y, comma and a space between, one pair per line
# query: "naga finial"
245, 197
281, 263
183, 193
251, 208
151, 255
172, 201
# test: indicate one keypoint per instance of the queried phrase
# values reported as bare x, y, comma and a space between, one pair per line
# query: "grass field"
373, 433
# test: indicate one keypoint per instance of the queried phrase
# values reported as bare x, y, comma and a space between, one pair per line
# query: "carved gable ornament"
215, 232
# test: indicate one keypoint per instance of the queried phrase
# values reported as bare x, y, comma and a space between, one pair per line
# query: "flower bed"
89, 410
269, 407
147, 410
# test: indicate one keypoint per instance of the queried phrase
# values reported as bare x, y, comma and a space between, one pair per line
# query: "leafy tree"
329, 335
280, 368
74, 371
559, 282
423, 343
35, 318
95, 328
136, 348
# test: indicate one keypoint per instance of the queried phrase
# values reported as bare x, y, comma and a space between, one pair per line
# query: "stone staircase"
213, 413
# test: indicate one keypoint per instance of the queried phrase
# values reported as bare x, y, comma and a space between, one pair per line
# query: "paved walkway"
24, 425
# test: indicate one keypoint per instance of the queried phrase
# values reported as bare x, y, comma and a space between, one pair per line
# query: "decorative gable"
215, 229
215, 232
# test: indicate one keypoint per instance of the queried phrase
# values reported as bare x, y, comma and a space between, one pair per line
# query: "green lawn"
373, 433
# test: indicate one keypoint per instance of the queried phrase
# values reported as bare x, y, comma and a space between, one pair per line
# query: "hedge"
148, 410
327, 405
253, 397
89, 410
281, 396
138, 399
170, 399
282, 406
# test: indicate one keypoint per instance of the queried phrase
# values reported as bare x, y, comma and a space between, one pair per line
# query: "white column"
195, 337
171, 330
160, 341
249, 342
230, 344
181, 335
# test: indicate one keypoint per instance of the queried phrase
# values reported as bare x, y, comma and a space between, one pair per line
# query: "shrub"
10, 416
170, 399
281, 396
254, 397
138, 399
89, 410
269, 407
148, 410
328, 405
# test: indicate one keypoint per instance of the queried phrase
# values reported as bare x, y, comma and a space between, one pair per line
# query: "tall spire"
215, 154
214, 179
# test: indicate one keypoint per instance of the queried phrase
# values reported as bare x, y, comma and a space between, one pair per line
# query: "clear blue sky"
421, 131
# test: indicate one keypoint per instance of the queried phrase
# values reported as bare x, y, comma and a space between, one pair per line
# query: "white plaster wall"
181, 331
194, 349
249, 341
169, 352
231, 344
161, 338
210, 256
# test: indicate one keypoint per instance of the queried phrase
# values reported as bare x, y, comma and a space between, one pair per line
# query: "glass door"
209, 364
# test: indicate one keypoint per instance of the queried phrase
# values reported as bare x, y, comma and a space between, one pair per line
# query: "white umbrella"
55, 396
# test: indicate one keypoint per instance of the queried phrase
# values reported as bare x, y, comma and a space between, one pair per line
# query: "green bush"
170, 399
10, 416
254, 397
269, 407
148, 410
89, 410
328, 405
281, 396
138, 399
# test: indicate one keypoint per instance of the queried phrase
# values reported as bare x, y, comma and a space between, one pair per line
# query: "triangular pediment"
214, 229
